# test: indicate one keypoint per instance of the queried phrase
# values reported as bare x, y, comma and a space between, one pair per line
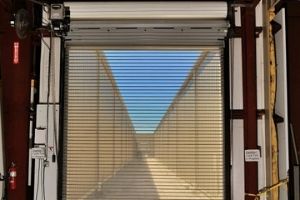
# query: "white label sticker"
252, 155
38, 153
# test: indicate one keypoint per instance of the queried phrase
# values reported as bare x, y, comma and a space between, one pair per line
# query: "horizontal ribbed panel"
143, 124
152, 23
148, 10
205, 32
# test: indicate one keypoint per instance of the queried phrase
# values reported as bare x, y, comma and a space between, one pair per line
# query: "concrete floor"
147, 179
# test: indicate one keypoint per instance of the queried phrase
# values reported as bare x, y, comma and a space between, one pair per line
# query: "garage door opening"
144, 101
143, 124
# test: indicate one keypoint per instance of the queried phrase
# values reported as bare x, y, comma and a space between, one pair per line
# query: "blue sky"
148, 81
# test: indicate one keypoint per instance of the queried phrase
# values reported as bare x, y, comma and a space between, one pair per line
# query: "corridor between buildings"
144, 124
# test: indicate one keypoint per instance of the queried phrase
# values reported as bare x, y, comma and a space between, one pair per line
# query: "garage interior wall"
237, 99
77, 39
19, 79
281, 107
238, 149
46, 132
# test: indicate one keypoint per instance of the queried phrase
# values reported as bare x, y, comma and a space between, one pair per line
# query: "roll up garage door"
143, 107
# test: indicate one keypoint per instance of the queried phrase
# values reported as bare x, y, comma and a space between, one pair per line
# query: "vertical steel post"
16, 100
249, 96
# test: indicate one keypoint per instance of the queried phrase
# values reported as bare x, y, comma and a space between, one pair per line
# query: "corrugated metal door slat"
143, 124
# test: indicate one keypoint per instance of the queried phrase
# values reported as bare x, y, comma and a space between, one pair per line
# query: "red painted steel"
293, 68
249, 96
16, 89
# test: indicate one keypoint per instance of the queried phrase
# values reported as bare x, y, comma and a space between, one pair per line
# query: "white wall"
281, 101
237, 126
260, 77
45, 181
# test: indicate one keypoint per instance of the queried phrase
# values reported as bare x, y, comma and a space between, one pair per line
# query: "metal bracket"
260, 113
277, 118
2, 177
240, 114
236, 32
245, 3
275, 27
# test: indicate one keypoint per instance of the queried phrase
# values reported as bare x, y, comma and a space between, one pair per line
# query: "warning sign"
252, 155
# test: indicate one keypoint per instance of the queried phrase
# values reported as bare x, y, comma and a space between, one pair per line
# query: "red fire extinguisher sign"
12, 176
16, 53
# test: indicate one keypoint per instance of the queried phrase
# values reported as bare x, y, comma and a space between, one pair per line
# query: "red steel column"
16, 89
249, 96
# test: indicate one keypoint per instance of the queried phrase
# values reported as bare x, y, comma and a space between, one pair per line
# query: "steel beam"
16, 90
249, 96
245, 3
